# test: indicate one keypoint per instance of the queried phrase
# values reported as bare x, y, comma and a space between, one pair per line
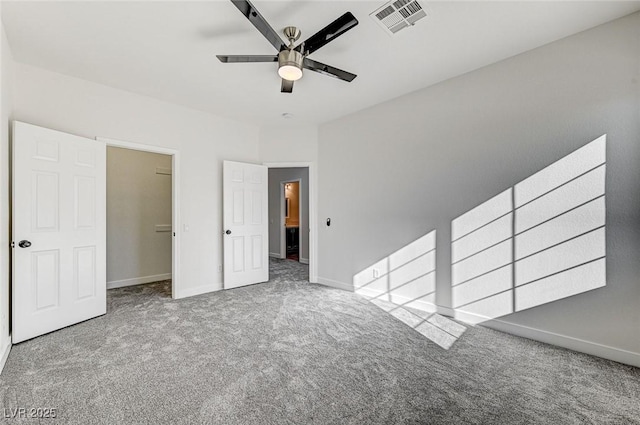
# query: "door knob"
228, 232
24, 244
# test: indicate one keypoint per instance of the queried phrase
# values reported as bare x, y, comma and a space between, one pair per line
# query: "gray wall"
137, 200
277, 175
392, 173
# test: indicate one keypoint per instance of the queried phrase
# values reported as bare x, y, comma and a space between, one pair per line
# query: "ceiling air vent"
399, 14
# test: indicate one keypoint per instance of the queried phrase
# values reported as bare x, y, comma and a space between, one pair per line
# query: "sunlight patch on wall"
404, 285
407, 277
541, 241
482, 257
560, 228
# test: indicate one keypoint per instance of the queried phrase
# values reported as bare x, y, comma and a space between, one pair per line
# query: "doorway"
139, 210
291, 217
168, 230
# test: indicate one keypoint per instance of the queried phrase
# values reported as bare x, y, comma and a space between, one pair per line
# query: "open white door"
245, 221
59, 230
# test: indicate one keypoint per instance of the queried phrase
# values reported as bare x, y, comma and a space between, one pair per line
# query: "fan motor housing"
290, 65
290, 58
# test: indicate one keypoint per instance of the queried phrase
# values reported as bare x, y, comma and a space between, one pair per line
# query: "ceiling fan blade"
287, 86
246, 58
329, 33
260, 23
329, 70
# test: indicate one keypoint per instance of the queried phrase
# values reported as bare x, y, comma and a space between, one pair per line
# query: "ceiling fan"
292, 59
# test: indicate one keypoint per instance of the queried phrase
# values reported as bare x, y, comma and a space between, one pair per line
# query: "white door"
245, 220
59, 230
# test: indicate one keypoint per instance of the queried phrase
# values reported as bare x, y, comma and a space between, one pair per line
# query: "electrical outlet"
376, 273
220, 268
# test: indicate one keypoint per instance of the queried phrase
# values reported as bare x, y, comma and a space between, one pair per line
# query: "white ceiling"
167, 49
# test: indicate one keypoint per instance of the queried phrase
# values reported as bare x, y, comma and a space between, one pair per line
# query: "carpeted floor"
290, 352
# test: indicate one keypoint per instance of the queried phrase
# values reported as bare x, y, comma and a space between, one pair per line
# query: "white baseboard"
5, 353
138, 280
198, 290
446, 311
334, 284
576, 344
400, 300
367, 292
304, 260
275, 255
469, 317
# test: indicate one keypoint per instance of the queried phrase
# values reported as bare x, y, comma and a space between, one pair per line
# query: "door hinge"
13, 244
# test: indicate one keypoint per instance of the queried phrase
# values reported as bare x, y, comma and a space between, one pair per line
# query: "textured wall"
393, 173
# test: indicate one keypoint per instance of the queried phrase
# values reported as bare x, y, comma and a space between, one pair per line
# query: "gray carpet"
290, 352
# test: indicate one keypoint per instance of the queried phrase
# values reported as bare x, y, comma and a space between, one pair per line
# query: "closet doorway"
139, 218
156, 230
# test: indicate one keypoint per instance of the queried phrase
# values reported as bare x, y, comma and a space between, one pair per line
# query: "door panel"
245, 217
59, 189
238, 254
84, 271
84, 202
46, 267
257, 251
45, 201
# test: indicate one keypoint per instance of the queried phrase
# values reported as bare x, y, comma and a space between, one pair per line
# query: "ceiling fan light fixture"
290, 65
292, 59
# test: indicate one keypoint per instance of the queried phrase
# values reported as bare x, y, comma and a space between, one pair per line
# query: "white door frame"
283, 220
313, 215
175, 201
